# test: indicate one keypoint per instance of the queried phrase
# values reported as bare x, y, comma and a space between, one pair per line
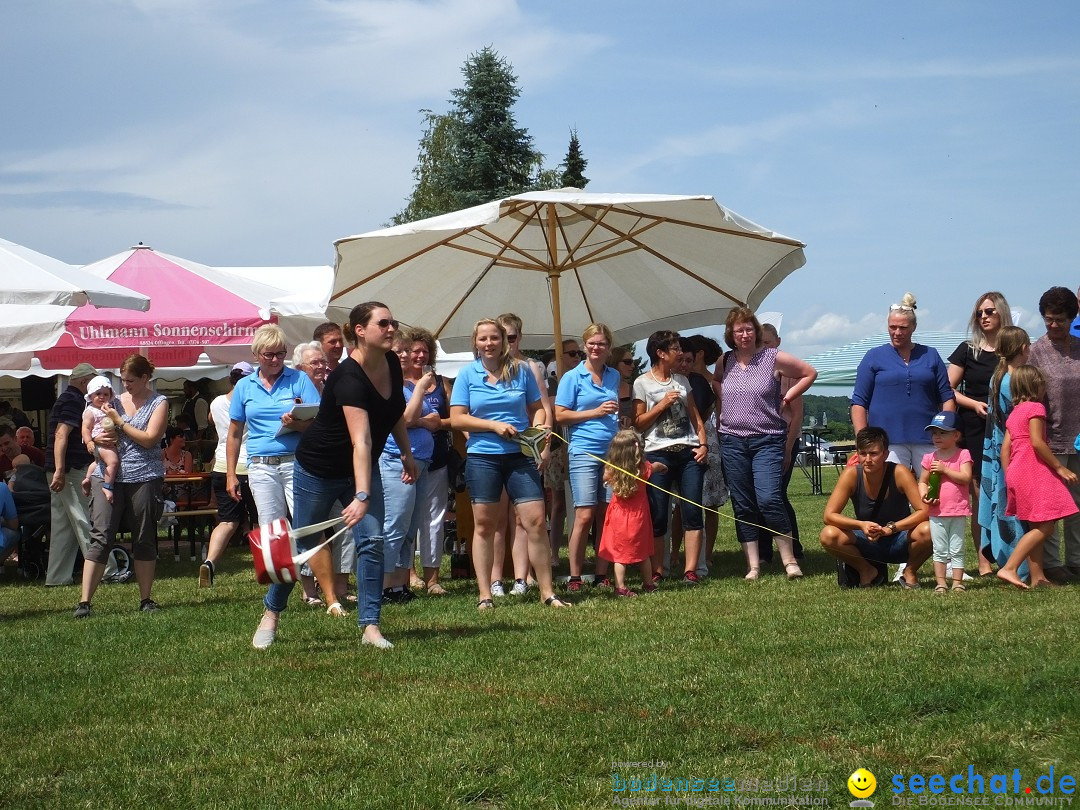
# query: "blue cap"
946, 420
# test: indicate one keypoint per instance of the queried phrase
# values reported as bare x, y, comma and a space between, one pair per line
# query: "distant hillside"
834, 412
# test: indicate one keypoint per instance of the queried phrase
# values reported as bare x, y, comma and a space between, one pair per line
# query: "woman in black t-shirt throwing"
337, 460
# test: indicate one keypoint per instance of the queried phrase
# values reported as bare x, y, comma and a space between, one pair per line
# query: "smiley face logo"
861, 783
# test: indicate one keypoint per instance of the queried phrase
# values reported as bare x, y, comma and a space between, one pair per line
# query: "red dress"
1035, 492
627, 537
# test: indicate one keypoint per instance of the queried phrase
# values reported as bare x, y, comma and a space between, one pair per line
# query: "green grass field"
527, 706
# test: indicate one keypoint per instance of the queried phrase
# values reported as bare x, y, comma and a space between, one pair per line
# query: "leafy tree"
574, 164
432, 195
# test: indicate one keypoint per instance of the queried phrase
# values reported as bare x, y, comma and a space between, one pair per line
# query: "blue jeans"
401, 515
487, 475
9, 541
313, 497
689, 476
754, 470
587, 480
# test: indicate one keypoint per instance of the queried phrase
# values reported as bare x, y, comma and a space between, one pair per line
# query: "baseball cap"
83, 370
946, 420
246, 368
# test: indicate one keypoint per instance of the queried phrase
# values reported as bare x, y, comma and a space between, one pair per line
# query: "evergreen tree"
476, 152
494, 156
573, 175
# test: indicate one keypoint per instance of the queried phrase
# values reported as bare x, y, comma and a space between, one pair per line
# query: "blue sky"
924, 146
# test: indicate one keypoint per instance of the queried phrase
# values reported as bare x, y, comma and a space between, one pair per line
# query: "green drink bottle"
933, 489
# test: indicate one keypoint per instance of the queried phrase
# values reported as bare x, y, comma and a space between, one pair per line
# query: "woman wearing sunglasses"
622, 360
970, 368
337, 460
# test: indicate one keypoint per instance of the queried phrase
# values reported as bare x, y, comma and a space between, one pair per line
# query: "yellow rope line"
648, 483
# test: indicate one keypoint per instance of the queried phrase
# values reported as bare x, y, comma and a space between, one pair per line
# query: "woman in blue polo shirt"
263, 402
493, 400
588, 403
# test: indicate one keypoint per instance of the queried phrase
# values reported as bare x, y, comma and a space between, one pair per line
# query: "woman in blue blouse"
900, 387
493, 400
588, 402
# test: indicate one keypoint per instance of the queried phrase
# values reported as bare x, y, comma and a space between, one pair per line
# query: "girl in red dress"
627, 538
1033, 476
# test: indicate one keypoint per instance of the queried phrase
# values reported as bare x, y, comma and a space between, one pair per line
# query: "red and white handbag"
273, 549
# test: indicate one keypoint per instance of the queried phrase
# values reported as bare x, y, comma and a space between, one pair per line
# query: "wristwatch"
362, 496
891, 526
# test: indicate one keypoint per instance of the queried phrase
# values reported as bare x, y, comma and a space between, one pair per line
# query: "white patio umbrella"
32, 278
564, 259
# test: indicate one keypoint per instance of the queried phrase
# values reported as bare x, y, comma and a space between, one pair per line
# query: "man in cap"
66, 460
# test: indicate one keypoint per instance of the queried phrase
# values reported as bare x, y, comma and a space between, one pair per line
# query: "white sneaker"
899, 572
497, 588
519, 588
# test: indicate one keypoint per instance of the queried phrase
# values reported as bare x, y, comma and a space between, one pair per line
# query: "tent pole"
553, 276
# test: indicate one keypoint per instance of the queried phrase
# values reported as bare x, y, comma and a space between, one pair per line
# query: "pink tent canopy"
193, 309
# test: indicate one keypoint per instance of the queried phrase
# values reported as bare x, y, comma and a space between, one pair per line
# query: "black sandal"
485, 604
551, 600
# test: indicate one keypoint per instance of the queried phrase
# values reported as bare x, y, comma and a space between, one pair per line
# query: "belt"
677, 448
271, 460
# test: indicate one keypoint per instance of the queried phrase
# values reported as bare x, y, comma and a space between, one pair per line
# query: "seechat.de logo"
862, 785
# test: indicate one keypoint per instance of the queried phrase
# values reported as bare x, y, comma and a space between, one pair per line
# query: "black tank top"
893, 503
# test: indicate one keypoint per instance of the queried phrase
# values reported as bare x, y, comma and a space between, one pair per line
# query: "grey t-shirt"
673, 425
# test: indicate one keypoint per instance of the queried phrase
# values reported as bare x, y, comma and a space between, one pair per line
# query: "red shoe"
690, 578
573, 585
649, 587
625, 592
657, 576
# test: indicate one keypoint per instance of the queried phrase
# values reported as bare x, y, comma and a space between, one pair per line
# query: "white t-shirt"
219, 412
673, 426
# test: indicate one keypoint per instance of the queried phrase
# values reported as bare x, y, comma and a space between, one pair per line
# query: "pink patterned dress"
1035, 493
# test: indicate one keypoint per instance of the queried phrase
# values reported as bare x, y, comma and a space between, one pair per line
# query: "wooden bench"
199, 523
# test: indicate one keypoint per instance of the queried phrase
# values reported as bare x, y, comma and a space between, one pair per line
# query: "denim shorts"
487, 475
892, 549
587, 480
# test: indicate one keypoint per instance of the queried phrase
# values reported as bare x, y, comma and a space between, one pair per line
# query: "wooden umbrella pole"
553, 275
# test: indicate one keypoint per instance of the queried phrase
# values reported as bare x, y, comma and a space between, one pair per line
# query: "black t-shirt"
702, 392
68, 410
977, 370
326, 449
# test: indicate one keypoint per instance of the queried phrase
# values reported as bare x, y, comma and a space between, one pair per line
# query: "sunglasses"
901, 308
986, 312
573, 353
626, 361
512, 338
270, 356
385, 323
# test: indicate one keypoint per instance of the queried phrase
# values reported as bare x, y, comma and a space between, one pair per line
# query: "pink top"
953, 499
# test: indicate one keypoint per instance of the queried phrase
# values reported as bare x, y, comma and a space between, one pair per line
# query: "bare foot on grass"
1005, 575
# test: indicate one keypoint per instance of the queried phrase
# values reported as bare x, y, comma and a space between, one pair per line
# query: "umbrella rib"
574, 266
688, 224
626, 237
461, 300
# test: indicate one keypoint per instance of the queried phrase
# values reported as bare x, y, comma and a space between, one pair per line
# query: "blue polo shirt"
578, 391
7, 503
502, 402
262, 410
421, 440
902, 398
